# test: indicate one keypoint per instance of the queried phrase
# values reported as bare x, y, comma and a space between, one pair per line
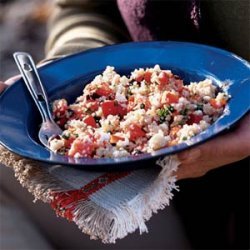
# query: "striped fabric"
106, 206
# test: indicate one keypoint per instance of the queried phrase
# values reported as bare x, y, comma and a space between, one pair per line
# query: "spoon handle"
32, 80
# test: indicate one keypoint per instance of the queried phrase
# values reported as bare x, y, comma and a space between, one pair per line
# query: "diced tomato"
178, 85
77, 115
163, 79
104, 90
113, 108
147, 76
93, 106
194, 119
215, 104
172, 98
109, 108
135, 132
173, 131
139, 78
68, 142
61, 122
131, 103
90, 121
121, 110
116, 138
84, 147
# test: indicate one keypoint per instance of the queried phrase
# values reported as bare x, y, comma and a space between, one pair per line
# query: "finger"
226, 149
222, 149
2, 86
213, 154
17, 77
12, 80
190, 155
193, 170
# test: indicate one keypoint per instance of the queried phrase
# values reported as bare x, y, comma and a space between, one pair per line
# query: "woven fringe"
31, 176
130, 215
94, 220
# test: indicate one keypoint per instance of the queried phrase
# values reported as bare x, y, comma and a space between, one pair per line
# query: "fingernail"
190, 155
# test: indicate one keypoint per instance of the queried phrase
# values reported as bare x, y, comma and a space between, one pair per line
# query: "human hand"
222, 150
4, 85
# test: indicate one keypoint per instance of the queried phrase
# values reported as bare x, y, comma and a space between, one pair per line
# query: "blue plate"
65, 78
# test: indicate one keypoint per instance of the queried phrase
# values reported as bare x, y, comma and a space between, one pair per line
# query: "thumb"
2, 86
222, 150
8, 82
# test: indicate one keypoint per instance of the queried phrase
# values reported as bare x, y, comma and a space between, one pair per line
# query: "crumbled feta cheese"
118, 115
56, 144
157, 141
203, 88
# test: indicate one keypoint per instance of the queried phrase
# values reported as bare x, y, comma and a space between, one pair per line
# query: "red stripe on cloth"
64, 203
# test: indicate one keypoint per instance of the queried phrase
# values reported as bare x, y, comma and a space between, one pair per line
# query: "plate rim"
129, 159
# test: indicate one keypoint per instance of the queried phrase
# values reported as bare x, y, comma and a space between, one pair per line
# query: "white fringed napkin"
106, 206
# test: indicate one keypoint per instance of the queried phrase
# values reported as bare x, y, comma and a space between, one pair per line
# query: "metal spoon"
32, 80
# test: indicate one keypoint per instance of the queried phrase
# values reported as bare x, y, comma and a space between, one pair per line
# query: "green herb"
66, 136
97, 119
163, 113
184, 111
199, 107
184, 138
181, 123
76, 135
142, 106
171, 108
162, 119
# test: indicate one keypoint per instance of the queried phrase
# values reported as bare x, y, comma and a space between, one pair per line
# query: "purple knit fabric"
135, 17
144, 20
